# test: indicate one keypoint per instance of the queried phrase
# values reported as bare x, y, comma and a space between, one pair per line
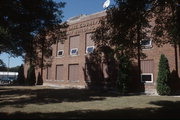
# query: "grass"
41, 102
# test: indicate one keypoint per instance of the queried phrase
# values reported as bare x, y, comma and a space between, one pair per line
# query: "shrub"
21, 78
163, 76
39, 80
31, 77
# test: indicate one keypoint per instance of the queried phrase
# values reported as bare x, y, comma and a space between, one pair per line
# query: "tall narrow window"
89, 43
74, 72
89, 49
48, 74
60, 49
59, 72
74, 51
74, 45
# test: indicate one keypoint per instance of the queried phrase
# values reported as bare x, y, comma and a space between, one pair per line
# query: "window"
147, 77
59, 72
60, 52
147, 71
48, 74
89, 49
146, 44
74, 52
73, 72
74, 43
60, 48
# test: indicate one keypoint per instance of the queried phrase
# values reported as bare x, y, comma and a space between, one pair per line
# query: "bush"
163, 77
31, 77
21, 78
123, 78
39, 80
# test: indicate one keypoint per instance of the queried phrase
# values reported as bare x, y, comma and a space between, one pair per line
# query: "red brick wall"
88, 25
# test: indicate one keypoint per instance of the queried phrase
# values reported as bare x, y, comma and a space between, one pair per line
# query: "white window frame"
72, 54
89, 47
147, 74
146, 46
62, 52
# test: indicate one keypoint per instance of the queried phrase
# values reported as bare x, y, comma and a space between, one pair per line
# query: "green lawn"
50, 103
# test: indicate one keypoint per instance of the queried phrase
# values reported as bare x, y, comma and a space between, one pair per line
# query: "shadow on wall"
174, 82
93, 71
164, 109
136, 84
102, 74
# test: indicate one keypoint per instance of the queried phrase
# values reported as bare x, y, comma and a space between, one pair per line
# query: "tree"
163, 77
2, 66
14, 69
21, 78
31, 77
22, 20
123, 28
39, 80
6, 44
167, 28
1, 63
43, 42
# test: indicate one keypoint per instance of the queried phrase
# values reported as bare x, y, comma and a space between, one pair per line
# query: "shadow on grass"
22, 97
167, 109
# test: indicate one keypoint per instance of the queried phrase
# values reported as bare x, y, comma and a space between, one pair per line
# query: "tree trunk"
31, 53
176, 57
42, 58
139, 51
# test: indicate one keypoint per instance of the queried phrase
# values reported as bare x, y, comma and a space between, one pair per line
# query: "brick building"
69, 59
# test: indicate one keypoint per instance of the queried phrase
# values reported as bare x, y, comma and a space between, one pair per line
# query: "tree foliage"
163, 77
2, 63
22, 20
167, 19
2, 66
123, 27
120, 33
11, 69
167, 28
6, 45
14, 69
